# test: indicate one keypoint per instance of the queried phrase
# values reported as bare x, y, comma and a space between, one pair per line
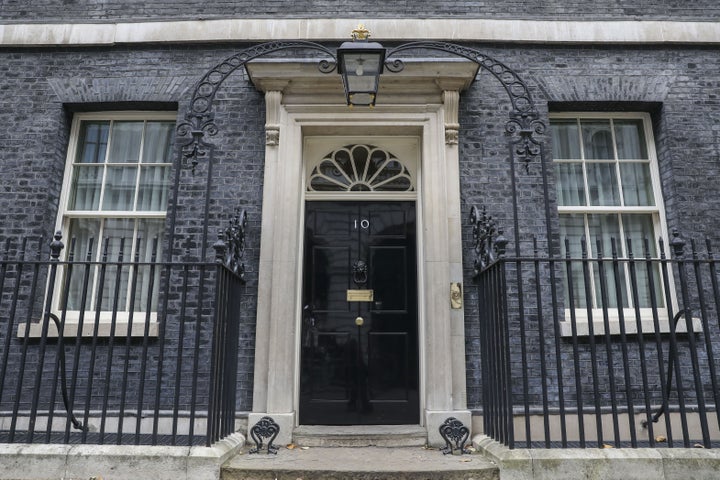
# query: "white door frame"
440, 329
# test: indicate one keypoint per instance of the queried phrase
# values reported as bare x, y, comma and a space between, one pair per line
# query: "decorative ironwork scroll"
266, 428
489, 242
524, 118
200, 121
455, 434
230, 246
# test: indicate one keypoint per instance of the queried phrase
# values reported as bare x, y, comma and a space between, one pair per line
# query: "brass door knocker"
360, 272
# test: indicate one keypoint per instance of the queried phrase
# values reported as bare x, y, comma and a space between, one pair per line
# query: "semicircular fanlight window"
360, 168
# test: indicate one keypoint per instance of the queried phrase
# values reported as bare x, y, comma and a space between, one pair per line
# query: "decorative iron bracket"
200, 120
265, 428
454, 431
230, 246
200, 123
524, 118
489, 242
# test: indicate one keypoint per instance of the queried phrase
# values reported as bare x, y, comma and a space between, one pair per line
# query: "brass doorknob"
359, 321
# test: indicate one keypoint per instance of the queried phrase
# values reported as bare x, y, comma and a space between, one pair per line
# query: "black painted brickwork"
136, 10
41, 87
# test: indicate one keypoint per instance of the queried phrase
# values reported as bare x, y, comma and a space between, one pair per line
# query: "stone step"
358, 463
360, 436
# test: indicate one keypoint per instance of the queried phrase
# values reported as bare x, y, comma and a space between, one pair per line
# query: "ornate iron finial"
677, 244
490, 243
56, 246
230, 245
220, 247
360, 33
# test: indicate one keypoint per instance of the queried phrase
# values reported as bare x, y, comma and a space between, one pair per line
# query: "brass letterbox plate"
360, 295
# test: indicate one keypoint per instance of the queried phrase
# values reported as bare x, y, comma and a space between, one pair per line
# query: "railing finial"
56, 246
677, 244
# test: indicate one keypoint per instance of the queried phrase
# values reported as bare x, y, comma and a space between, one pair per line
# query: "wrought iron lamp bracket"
524, 119
200, 121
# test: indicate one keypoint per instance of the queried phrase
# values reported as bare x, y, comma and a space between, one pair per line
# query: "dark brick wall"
42, 87
135, 10
677, 86
41, 91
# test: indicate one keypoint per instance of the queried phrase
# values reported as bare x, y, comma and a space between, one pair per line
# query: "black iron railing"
109, 349
601, 351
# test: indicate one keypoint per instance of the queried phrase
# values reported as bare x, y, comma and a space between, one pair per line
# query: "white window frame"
63, 224
659, 226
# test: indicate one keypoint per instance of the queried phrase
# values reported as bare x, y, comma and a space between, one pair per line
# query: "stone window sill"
647, 323
104, 329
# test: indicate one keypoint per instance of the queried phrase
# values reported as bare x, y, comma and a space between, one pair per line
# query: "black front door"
359, 338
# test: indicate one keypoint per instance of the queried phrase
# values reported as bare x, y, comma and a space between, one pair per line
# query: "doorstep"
358, 463
360, 436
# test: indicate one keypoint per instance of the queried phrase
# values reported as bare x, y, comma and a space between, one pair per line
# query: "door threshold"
360, 435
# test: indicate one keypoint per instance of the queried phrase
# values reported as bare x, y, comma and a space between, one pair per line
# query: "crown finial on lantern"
360, 33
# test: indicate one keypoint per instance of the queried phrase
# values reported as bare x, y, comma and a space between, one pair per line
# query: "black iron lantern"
360, 63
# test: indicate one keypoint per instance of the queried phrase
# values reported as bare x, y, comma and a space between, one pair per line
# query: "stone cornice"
449, 29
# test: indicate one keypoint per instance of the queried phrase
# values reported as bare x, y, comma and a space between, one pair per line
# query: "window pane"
603, 230
602, 184
119, 234
597, 140
630, 138
84, 231
158, 137
572, 228
119, 188
565, 139
638, 229
636, 184
148, 231
85, 188
92, 143
125, 142
152, 194
570, 184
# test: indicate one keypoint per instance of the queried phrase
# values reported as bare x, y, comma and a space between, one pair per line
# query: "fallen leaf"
290, 446
607, 446
304, 448
660, 438
699, 445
